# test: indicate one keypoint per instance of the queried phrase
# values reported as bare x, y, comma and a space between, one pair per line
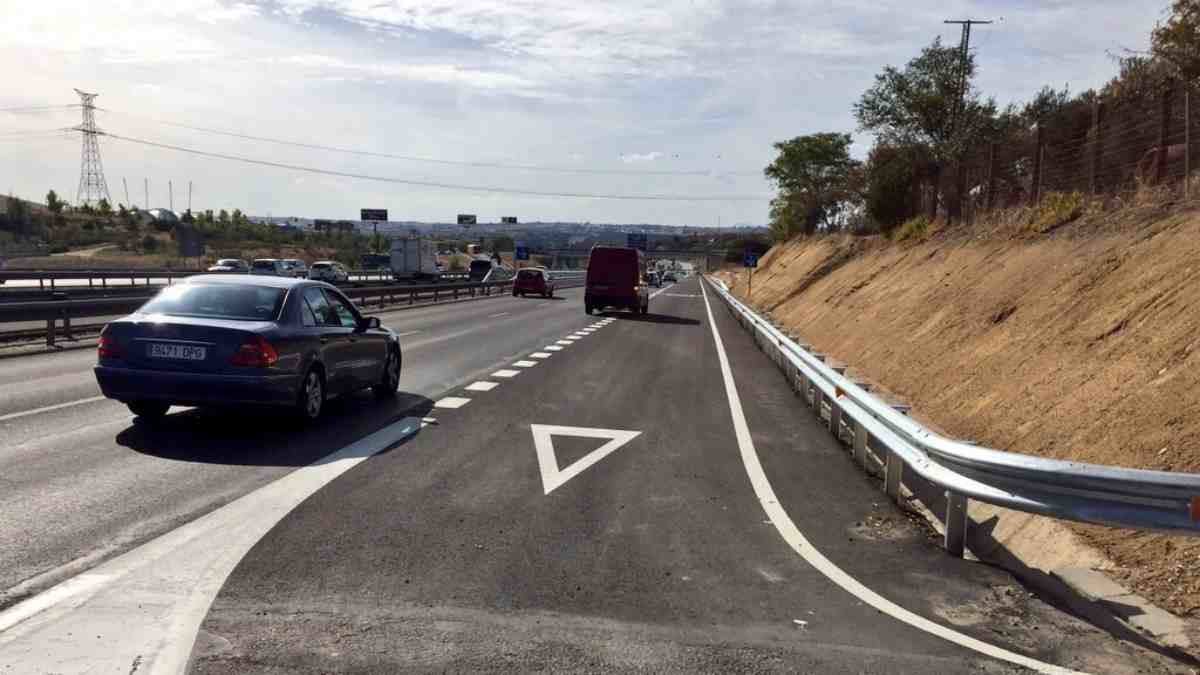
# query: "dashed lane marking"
57, 406
506, 373
497, 315
552, 348
452, 402
525, 364
565, 343
482, 385
541, 355
405, 334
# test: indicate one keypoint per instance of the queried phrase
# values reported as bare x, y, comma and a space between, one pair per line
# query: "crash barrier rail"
1132, 498
59, 314
107, 278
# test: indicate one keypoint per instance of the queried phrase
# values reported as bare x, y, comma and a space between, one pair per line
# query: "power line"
428, 160
38, 108
435, 184
964, 54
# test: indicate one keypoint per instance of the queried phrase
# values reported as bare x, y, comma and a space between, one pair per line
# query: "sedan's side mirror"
370, 323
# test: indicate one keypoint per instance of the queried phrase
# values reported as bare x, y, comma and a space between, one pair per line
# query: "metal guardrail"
1133, 498
101, 278
65, 310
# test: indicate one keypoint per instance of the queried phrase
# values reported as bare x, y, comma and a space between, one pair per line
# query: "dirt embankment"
1083, 344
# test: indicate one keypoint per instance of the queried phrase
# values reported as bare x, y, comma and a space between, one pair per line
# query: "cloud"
640, 157
442, 73
228, 13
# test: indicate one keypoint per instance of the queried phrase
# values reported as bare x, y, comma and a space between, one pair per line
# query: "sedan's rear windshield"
529, 274
228, 262
218, 301
263, 264
319, 266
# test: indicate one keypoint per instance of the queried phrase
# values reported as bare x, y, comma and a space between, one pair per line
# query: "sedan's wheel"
390, 379
312, 395
149, 410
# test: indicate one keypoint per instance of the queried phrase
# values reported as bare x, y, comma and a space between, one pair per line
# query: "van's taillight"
108, 348
255, 352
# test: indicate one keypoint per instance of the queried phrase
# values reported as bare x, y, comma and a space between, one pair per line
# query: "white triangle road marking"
552, 476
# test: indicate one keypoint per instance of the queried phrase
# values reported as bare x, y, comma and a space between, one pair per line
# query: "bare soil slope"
1082, 344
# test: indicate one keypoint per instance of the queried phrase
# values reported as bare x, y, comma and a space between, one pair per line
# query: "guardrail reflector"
1194, 511
838, 392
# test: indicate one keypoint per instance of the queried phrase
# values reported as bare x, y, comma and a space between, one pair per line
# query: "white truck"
414, 259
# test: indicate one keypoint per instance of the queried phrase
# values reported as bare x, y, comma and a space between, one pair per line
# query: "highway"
551, 491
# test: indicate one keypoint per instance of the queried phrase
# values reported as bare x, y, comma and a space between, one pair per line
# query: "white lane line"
800, 544
506, 373
150, 601
452, 402
525, 364
57, 406
578, 336
496, 316
411, 332
565, 343
552, 348
655, 293
541, 355
482, 386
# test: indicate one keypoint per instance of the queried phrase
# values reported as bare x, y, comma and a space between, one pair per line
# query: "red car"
615, 277
533, 280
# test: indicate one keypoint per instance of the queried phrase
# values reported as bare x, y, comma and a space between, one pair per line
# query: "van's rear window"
218, 301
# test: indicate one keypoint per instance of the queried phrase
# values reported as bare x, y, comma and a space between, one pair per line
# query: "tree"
188, 218
1177, 41
223, 218
104, 208
891, 195
54, 203
920, 106
815, 176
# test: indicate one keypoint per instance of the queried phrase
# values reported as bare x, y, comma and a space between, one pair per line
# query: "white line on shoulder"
800, 544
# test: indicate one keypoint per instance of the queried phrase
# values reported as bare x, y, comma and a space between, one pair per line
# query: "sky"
675, 99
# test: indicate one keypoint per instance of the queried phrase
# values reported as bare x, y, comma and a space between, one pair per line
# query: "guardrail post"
456, 292
412, 297
50, 332
67, 327
860, 443
435, 295
956, 523
835, 418
892, 469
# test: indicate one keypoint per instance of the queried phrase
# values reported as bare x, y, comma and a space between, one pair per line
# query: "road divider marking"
497, 315
543, 443
506, 373
482, 385
655, 293
568, 339
407, 333
451, 402
145, 606
565, 343
525, 364
541, 355
552, 348
49, 408
801, 545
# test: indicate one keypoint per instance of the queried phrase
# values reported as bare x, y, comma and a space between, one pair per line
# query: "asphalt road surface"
619, 493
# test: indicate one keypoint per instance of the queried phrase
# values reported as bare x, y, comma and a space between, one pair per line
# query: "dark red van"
615, 278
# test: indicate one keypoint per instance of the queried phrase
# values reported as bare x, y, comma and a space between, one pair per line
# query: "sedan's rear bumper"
198, 389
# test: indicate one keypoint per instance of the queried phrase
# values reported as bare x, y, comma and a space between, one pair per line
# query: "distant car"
230, 265
270, 267
232, 341
329, 270
298, 268
614, 279
654, 279
670, 276
479, 269
533, 280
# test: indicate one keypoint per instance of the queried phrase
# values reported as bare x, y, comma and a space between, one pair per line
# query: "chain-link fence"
1102, 148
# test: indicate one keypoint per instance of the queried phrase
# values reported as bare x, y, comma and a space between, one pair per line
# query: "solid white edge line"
57, 406
800, 544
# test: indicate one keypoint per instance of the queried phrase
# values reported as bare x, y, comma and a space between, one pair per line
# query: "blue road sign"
750, 260
522, 253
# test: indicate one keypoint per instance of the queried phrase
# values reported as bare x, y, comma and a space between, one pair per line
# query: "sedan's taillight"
255, 352
107, 348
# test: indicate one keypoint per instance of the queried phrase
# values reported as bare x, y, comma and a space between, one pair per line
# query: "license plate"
159, 350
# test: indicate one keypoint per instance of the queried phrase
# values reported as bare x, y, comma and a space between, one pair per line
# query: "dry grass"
916, 228
1055, 210
1080, 344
